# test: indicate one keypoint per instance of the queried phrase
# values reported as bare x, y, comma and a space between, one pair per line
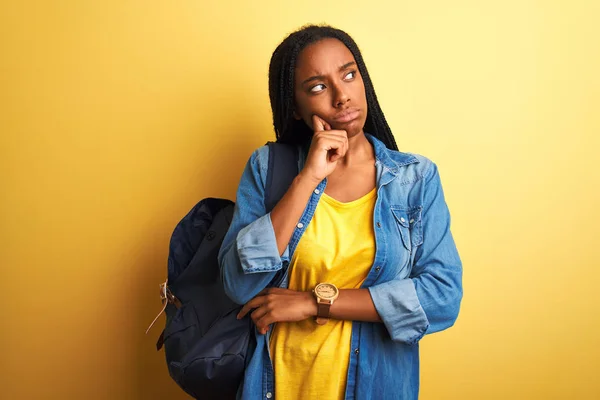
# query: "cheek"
303, 112
300, 107
361, 94
306, 106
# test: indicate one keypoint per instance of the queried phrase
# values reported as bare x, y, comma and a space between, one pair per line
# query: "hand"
327, 147
278, 305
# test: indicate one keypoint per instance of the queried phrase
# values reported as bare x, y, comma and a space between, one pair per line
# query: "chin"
352, 128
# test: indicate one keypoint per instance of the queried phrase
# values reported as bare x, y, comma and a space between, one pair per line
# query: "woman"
362, 237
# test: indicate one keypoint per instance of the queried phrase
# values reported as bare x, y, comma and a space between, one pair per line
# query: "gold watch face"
326, 291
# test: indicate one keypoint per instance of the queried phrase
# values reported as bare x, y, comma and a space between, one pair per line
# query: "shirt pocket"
410, 225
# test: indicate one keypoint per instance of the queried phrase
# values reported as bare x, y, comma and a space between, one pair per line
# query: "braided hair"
281, 87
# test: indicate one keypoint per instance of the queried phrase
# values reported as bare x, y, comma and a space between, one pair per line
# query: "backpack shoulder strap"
283, 168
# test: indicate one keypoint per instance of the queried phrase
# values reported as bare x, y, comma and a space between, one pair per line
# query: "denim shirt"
415, 280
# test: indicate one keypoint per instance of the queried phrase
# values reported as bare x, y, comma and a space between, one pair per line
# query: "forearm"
283, 305
352, 305
289, 209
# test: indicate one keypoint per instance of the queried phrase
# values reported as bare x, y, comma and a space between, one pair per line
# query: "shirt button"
269, 395
300, 225
379, 224
317, 191
402, 219
411, 221
356, 351
377, 268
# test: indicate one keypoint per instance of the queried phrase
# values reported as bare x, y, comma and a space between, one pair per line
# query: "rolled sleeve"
257, 247
398, 306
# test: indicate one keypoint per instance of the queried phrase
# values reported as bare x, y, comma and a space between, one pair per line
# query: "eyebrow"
321, 77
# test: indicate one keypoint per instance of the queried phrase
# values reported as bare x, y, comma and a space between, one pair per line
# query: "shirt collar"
390, 159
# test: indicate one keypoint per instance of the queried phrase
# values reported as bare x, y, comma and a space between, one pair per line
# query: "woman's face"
328, 84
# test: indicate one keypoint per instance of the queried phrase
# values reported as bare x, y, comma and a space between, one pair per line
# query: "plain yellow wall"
117, 116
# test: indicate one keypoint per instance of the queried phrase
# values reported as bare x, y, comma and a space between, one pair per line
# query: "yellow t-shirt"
338, 246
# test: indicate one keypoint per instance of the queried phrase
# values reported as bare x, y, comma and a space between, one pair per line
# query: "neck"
359, 150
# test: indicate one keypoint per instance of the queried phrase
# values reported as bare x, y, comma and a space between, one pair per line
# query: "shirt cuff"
398, 306
257, 247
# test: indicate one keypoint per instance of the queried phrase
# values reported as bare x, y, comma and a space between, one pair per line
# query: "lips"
347, 115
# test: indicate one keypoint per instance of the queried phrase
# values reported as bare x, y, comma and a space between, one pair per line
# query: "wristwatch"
326, 293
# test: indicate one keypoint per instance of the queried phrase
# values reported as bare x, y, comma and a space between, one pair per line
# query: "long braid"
281, 87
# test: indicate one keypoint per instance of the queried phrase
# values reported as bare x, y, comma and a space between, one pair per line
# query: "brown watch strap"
322, 312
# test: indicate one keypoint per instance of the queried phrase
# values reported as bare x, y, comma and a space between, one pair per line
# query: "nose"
340, 97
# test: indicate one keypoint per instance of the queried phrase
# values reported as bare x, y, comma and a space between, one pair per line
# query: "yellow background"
117, 116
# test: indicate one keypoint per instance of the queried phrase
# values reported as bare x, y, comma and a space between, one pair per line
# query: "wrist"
306, 180
311, 304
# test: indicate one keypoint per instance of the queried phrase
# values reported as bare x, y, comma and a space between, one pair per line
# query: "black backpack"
205, 344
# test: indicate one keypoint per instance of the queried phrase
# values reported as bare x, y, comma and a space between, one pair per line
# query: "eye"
350, 75
317, 88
